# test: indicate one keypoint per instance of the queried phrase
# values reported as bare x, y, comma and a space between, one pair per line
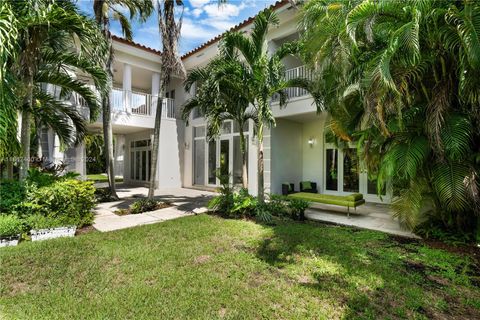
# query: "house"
297, 149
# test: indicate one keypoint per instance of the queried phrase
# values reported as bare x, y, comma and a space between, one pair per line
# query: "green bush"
243, 204
11, 194
38, 221
143, 205
10, 225
69, 202
224, 203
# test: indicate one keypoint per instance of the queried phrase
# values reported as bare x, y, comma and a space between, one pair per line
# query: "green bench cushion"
352, 200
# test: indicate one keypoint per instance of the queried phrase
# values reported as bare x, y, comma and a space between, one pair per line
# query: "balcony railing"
298, 72
140, 103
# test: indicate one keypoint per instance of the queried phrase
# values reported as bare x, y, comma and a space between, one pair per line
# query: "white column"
127, 86
155, 90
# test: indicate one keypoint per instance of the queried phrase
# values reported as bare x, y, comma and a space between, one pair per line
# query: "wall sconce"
311, 142
187, 145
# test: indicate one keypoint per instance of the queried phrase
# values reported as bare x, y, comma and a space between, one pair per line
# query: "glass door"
344, 174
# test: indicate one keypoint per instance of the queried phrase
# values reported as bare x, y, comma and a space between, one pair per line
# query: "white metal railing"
140, 103
298, 72
133, 102
168, 108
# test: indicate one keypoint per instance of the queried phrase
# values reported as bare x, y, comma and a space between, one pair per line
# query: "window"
198, 132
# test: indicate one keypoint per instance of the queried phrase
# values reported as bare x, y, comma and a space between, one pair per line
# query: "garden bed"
143, 205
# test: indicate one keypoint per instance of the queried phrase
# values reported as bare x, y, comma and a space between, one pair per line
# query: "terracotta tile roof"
135, 44
239, 26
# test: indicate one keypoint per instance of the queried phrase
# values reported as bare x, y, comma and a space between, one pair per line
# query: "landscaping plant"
10, 225
401, 79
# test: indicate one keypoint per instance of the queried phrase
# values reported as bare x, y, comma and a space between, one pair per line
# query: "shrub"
11, 194
143, 205
297, 208
243, 204
69, 201
38, 221
223, 203
104, 195
10, 225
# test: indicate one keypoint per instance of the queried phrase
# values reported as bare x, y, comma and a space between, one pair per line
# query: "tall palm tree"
408, 93
262, 75
52, 39
221, 97
171, 63
105, 11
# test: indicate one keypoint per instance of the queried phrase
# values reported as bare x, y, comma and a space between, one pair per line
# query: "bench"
350, 201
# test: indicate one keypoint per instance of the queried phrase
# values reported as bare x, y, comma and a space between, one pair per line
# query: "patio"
187, 202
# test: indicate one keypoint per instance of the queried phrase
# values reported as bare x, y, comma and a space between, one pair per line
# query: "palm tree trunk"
260, 163
244, 158
156, 138
25, 130
108, 144
107, 118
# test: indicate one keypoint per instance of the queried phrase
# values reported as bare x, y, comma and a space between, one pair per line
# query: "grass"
101, 178
206, 267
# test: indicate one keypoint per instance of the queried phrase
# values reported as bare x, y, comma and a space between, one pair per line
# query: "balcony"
298, 72
300, 104
139, 103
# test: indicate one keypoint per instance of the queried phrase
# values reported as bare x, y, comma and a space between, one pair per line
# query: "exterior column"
127, 86
155, 90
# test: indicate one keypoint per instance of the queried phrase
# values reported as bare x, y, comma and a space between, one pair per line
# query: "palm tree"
104, 11
171, 63
52, 39
262, 76
221, 98
408, 93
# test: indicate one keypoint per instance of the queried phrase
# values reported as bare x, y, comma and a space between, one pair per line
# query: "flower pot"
9, 241
51, 233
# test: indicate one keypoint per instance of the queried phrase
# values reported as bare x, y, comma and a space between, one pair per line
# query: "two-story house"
296, 149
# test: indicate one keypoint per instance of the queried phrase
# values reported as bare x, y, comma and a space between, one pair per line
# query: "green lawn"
101, 178
207, 267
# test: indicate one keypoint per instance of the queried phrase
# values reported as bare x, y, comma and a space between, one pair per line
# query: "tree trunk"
108, 144
9, 169
243, 149
25, 130
156, 137
107, 119
260, 189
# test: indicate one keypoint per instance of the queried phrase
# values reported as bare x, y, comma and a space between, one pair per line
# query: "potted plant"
10, 229
43, 228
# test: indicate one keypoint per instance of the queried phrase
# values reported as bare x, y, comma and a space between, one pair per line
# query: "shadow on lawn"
359, 270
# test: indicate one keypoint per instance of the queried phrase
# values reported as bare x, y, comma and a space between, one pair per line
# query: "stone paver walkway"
185, 202
191, 201
369, 216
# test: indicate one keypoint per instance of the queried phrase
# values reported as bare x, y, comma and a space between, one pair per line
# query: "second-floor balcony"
139, 103
297, 72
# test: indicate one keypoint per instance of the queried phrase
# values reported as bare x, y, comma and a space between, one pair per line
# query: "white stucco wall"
286, 151
313, 155
169, 157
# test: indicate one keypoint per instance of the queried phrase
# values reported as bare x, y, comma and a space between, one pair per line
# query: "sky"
202, 20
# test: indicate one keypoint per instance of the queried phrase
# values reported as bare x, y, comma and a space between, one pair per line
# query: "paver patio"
185, 202
191, 201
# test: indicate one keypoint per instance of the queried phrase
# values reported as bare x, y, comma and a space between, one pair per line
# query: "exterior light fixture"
311, 142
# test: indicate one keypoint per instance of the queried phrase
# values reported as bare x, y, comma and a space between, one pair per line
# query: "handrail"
297, 72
